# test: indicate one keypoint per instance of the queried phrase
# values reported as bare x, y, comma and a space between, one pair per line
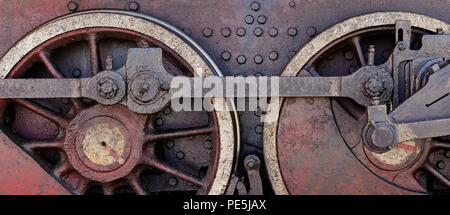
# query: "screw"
226, 55
159, 121
76, 73
348, 55
72, 6
258, 31
207, 32
255, 6
173, 181
207, 144
241, 59
291, 4
226, 32
258, 129
180, 155
106, 88
273, 55
258, 59
170, 144
440, 165
311, 31
292, 31
240, 31
402, 46
261, 19
134, 6
273, 32
249, 19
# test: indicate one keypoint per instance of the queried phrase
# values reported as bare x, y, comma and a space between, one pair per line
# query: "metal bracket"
252, 164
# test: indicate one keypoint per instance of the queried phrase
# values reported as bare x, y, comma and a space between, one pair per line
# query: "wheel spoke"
134, 183
43, 111
51, 68
44, 144
440, 145
83, 185
357, 45
62, 169
430, 169
93, 48
178, 133
173, 171
108, 188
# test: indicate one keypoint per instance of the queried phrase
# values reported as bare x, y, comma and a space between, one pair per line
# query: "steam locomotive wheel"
314, 145
91, 148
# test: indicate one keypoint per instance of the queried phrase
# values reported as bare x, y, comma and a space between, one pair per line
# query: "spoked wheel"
92, 148
314, 144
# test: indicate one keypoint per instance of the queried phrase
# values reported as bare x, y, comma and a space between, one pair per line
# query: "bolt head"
241, 59
134, 6
106, 88
249, 19
261, 19
402, 46
173, 181
273, 55
383, 136
258, 59
226, 32
180, 155
311, 31
292, 31
207, 32
207, 144
258, 31
255, 6
226, 55
273, 32
72, 6
240, 31
440, 165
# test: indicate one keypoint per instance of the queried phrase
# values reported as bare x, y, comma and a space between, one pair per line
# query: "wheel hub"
103, 143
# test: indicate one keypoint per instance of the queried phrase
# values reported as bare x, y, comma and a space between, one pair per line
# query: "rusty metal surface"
242, 39
22, 175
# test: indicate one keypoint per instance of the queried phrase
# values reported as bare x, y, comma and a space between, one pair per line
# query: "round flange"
104, 143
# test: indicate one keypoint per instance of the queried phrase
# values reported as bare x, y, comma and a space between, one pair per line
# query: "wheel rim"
180, 54
309, 53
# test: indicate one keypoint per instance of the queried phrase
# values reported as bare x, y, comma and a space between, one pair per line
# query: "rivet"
447, 154
167, 110
273, 32
173, 181
292, 31
258, 129
258, 31
273, 55
207, 32
207, 144
226, 32
311, 31
255, 6
159, 121
440, 165
134, 6
187, 31
330, 56
261, 19
348, 55
291, 4
352, 69
170, 144
291, 54
72, 6
249, 19
240, 31
258, 59
241, 59
226, 55
76, 73
180, 155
